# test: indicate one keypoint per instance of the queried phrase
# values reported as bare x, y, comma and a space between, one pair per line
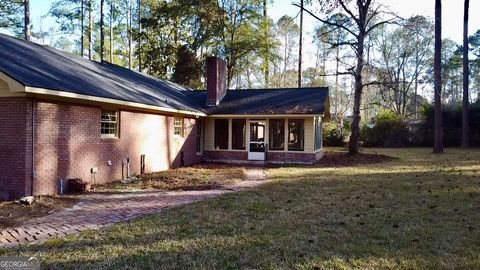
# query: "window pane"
295, 134
277, 134
109, 123
238, 134
178, 126
221, 134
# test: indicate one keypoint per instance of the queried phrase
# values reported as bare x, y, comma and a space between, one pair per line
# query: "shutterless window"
296, 134
276, 134
109, 123
221, 134
178, 126
239, 127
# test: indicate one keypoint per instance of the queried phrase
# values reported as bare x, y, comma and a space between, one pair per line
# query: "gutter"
69, 95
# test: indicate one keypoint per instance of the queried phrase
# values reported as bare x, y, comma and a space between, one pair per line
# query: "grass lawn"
202, 176
418, 211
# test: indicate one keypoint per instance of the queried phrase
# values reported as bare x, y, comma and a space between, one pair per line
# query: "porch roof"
285, 101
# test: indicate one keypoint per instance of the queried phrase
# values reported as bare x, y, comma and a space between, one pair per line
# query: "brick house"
63, 117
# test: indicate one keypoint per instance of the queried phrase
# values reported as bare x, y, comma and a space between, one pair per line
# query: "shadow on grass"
310, 219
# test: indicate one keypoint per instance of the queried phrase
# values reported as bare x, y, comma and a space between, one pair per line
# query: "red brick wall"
291, 157
225, 156
15, 142
69, 144
272, 157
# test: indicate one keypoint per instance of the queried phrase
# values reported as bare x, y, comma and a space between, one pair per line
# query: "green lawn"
419, 211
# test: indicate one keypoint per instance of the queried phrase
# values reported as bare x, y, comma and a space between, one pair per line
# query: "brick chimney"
216, 80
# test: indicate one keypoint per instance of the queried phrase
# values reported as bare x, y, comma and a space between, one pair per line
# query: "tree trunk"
102, 30
355, 136
82, 28
267, 60
129, 27
90, 30
140, 35
27, 20
415, 98
337, 64
466, 76
285, 62
300, 44
111, 29
438, 132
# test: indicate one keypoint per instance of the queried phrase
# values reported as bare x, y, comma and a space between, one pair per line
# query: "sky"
452, 17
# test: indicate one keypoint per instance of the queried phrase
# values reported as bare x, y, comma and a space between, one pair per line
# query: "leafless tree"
366, 16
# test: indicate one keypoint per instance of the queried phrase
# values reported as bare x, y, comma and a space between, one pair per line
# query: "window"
221, 134
277, 134
318, 133
295, 134
239, 127
109, 124
178, 126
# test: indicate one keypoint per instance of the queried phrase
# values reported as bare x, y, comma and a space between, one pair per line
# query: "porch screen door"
256, 150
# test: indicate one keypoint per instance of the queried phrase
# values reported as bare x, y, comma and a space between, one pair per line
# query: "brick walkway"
97, 210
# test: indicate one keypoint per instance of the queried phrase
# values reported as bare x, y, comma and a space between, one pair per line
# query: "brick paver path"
99, 210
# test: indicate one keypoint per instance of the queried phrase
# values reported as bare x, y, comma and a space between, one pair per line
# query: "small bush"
333, 135
386, 130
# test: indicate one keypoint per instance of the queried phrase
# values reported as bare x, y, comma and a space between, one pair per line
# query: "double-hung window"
109, 124
178, 126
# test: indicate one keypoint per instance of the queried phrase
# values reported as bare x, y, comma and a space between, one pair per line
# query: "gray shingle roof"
44, 67
268, 101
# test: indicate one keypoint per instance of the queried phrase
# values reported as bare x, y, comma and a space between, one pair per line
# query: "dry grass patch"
197, 177
14, 214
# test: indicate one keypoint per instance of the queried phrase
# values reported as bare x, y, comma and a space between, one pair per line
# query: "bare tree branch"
327, 22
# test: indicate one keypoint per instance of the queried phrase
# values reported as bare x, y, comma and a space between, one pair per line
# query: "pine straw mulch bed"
197, 177
13, 214
344, 159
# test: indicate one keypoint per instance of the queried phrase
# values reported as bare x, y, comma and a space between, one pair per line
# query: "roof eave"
86, 98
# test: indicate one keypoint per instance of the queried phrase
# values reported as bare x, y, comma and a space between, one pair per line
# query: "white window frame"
178, 126
116, 135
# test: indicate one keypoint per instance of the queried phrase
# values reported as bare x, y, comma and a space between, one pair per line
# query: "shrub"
452, 124
333, 135
386, 130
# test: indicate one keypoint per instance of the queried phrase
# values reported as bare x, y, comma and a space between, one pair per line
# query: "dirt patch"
197, 177
342, 159
13, 213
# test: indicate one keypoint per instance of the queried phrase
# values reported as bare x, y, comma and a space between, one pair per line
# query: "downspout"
33, 147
